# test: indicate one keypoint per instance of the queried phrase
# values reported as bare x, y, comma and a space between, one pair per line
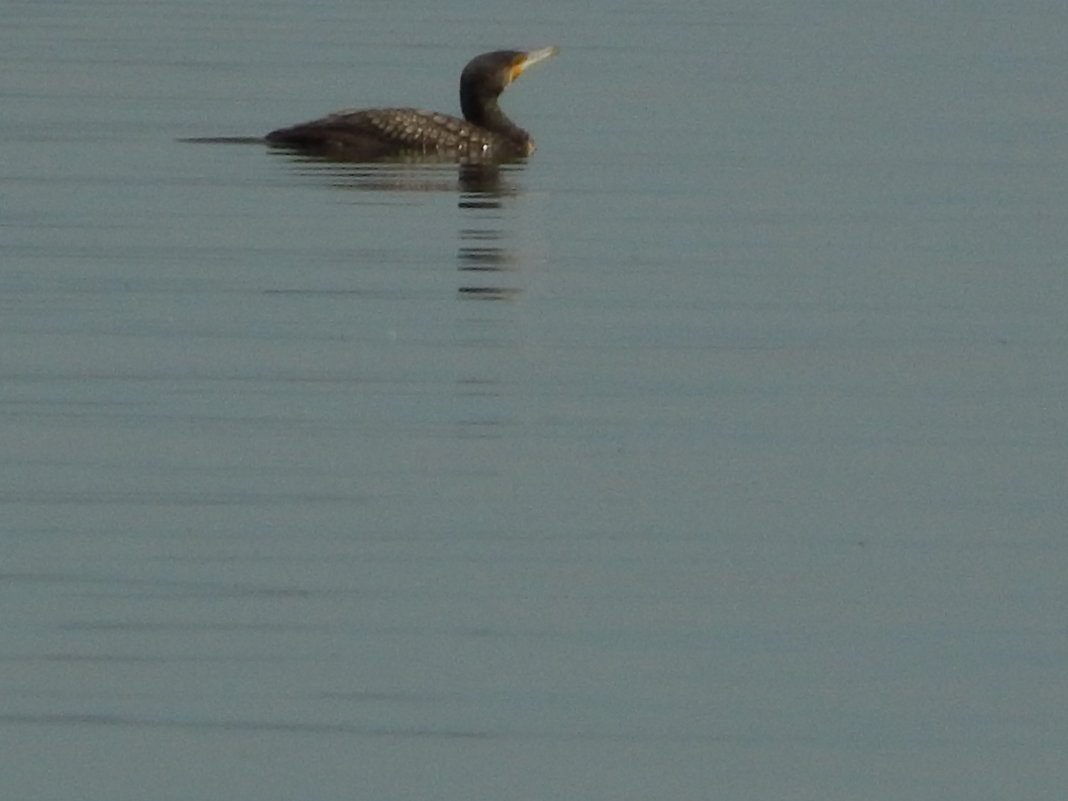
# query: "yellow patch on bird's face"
517, 69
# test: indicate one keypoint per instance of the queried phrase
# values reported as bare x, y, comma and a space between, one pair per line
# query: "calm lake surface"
717, 452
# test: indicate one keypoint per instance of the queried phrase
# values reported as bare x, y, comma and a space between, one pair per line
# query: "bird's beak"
531, 58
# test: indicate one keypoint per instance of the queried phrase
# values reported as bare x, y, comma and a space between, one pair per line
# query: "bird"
485, 134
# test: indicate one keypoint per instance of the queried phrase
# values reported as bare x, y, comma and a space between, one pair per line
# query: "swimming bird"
485, 134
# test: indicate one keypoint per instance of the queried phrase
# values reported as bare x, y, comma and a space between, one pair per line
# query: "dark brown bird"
484, 134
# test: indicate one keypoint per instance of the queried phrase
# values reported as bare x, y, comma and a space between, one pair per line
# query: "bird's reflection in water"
481, 256
414, 174
480, 251
488, 209
483, 190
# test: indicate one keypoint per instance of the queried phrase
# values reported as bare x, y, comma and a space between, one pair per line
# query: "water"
718, 451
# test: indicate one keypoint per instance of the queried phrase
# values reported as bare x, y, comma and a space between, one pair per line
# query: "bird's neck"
486, 113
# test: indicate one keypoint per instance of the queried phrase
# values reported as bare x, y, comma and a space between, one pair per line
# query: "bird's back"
386, 132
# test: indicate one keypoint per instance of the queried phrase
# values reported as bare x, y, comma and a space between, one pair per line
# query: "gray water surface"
718, 452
